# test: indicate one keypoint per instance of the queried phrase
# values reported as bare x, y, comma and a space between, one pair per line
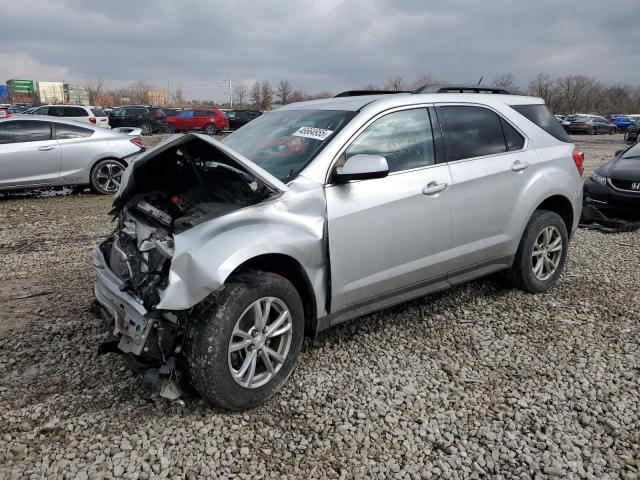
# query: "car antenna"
480, 81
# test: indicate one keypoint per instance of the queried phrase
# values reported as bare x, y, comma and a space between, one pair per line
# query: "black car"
616, 184
589, 124
631, 135
148, 119
238, 118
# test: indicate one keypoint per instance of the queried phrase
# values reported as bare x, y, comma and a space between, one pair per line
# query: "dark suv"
148, 119
239, 118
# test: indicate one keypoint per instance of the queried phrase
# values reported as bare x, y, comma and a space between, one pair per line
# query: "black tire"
210, 334
105, 185
594, 131
170, 128
210, 129
521, 273
147, 128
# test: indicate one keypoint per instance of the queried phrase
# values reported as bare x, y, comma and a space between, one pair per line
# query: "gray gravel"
476, 382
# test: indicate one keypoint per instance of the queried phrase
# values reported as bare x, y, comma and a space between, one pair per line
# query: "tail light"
137, 141
578, 159
92, 120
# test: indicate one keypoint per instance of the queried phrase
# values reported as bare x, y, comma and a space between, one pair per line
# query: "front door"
28, 155
390, 233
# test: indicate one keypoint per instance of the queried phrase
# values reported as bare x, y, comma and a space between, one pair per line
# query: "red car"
4, 112
209, 120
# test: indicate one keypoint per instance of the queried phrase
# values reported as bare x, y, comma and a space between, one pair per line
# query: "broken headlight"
598, 178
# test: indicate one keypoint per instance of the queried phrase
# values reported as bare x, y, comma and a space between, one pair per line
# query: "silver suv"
227, 254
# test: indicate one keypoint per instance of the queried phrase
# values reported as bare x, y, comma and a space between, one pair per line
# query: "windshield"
633, 152
283, 142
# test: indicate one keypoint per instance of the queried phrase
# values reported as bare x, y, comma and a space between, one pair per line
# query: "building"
51, 92
156, 97
76, 95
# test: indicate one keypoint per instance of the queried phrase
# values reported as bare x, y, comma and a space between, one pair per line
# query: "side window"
119, 112
56, 111
404, 138
24, 131
65, 132
514, 140
42, 111
203, 113
472, 131
75, 112
136, 111
186, 114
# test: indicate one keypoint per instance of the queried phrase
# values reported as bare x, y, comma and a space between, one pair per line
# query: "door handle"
46, 147
518, 166
434, 187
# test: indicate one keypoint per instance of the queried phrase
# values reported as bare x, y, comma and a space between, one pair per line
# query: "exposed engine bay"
183, 186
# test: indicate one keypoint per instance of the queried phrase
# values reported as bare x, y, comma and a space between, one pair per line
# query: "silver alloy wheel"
547, 252
146, 129
260, 342
108, 176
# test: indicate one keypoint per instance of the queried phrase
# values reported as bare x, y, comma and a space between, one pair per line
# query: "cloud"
316, 45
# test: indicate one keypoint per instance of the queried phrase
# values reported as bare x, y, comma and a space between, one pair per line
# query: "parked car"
148, 119
623, 123
615, 186
80, 113
631, 135
4, 112
19, 107
171, 111
591, 124
226, 254
38, 151
209, 120
562, 120
239, 118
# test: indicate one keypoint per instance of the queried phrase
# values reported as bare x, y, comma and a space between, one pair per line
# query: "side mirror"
618, 152
361, 167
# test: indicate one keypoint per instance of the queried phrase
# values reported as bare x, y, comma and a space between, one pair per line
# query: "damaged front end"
173, 188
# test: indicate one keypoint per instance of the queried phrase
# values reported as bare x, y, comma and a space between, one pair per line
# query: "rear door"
28, 154
76, 113
491, 168
200, 119
394, 233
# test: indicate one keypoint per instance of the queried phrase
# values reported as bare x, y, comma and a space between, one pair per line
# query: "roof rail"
359, 93
443, 88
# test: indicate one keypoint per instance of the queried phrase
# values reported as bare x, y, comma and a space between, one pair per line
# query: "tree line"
564, 94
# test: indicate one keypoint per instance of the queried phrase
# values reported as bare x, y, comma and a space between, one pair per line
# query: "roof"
358, 102
49, 118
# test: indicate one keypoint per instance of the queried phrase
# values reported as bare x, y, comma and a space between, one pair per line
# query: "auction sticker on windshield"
312, 132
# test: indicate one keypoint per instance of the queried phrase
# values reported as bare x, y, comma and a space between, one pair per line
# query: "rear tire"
106, 176
210, 129
147, 128
227, 337
532, 252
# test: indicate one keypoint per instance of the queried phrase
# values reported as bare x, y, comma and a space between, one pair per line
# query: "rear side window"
514, 140
74, 112
24, 131
98, 113
136, 111
542, 117
472, 131
65, 132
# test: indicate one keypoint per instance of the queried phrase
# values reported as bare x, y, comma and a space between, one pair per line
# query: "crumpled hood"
240, 161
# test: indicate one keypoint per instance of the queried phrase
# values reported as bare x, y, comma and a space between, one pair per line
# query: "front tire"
241, 350
106, 176
541, 254
210, 129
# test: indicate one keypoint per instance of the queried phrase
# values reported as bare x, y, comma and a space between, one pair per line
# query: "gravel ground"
476, 382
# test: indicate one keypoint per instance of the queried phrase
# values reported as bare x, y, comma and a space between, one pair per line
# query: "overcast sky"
316, 45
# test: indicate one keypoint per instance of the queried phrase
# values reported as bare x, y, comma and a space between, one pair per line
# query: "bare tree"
266, 96
371, 86
240, 93
425, 80
283, 91
505, 80
395, 83
255, 97
178, 98
297, 96
96, 90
